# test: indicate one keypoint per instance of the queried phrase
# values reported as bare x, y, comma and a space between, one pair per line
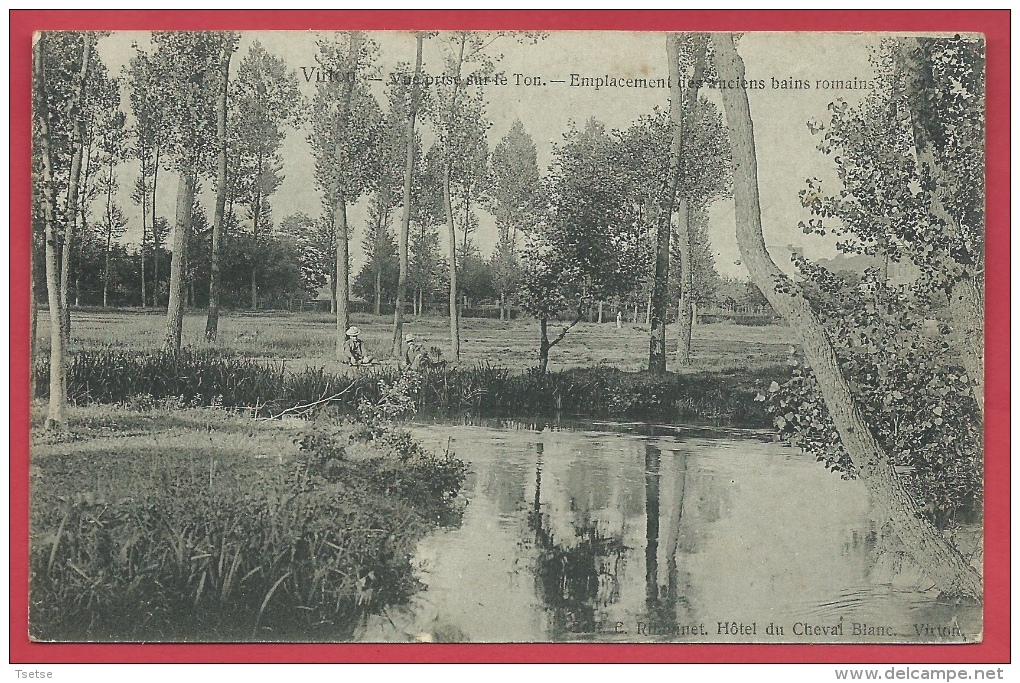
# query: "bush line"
215, 378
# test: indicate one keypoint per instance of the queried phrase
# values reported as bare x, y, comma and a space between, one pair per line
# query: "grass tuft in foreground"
152, 544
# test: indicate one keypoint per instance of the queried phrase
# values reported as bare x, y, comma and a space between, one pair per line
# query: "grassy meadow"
308, 339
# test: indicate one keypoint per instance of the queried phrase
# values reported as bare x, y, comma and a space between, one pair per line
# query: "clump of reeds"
213, 378
215, 548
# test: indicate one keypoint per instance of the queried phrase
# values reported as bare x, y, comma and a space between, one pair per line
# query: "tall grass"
209, 378
141, 546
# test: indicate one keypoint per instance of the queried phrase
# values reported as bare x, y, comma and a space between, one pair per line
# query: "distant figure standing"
355, 348
619, 320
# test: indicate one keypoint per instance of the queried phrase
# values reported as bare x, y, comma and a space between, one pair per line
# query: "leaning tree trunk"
178, 262
932, 553
405, 222
56, 417
685, 323
75, 106
212, 321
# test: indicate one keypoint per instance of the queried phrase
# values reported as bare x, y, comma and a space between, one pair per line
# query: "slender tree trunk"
932, 553
405, 223
76, 106
448, 205
383, 199
343, 287
685, 313
377, 306
178, 262
57, 413
332, 290
543, 349
155, 235
109, 234
657, 300
452, 235
686, 321
145, 227
212, 321
83, 226
255, 265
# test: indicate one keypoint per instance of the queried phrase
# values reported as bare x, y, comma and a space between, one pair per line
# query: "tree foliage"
900, 345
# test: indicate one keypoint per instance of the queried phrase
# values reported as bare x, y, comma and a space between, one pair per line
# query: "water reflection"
619, 536
577, 577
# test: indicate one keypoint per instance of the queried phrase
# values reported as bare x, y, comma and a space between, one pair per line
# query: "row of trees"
190, 117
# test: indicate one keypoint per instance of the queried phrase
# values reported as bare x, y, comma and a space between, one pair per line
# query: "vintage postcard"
507, 337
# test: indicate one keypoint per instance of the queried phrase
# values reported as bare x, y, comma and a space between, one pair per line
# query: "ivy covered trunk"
966, 306
931, 552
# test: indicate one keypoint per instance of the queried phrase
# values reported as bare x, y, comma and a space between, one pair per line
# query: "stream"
643, 533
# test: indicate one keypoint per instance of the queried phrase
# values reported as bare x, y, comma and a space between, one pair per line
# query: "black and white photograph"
507, 337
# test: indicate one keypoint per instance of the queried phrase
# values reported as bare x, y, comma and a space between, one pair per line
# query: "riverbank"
199, 524
208, 377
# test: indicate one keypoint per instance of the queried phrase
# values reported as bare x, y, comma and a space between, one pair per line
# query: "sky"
786, 150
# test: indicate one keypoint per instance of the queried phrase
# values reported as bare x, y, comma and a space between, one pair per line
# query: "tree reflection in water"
662, 601
575, 579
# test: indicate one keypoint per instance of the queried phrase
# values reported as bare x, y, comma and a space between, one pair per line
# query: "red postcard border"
993, 23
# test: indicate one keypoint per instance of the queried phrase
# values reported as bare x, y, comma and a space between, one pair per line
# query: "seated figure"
414, 354
355, 348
